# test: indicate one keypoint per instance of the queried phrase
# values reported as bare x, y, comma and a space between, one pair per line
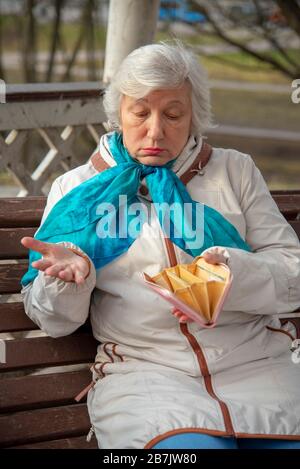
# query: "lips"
153, 151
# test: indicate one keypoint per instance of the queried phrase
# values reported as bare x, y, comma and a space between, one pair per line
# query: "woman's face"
156, 128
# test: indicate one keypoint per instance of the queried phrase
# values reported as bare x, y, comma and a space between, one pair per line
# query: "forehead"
169, 96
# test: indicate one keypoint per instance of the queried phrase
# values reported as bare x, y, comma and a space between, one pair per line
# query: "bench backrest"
41, 407
38, 410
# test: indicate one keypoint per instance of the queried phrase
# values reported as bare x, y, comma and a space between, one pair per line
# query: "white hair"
159, 66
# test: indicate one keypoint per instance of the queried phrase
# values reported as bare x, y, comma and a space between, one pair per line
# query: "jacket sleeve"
58, 307
266, 280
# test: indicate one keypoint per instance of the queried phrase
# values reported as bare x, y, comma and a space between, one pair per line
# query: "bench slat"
39, 391
46, 351
296, 225
10, 276
28, 211
13, 318
10, 245
285, 192
78, 442
22, 212
43, 424
288, 204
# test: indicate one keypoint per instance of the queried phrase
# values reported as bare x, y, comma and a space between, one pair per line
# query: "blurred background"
52, 59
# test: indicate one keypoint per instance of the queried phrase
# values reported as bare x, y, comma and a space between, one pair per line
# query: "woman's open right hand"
58, 261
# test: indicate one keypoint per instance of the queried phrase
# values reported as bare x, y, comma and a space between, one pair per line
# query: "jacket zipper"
200, 355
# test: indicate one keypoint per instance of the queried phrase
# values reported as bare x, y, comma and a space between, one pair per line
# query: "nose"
155, 129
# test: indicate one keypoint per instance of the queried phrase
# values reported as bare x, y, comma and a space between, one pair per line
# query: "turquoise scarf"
104, 225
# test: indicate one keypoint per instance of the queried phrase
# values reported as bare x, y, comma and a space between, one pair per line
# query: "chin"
152, 160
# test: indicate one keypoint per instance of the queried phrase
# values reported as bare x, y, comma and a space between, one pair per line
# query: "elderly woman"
159, 380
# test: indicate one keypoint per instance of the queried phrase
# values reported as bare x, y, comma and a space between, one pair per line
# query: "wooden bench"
39, 411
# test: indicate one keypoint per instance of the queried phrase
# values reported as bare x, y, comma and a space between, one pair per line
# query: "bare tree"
29, 50
2, 74
85, 18
223, 21
291, 11
55, 39
25, 29
90, 42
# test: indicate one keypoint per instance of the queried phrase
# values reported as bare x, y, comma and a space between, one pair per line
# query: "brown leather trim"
99, 369
98, 162
117, 354
144, 190
84, 391
171, 251
280, 330
102, 366
113, 351
179, 431
203, 157
200, 356
207, 378
206, 431
107, 351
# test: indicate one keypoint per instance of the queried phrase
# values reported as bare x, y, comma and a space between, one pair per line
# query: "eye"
172, 116
141, 114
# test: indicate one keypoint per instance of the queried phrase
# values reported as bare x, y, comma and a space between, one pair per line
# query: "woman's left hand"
216, 256
182, 318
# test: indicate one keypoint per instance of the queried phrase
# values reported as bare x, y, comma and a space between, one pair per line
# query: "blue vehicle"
179, 11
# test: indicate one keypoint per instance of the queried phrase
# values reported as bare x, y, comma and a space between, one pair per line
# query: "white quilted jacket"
158, 377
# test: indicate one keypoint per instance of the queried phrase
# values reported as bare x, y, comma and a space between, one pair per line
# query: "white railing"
61, 114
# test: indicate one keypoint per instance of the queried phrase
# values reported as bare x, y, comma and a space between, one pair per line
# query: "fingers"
181, 316
41, 264
79, 277
177, 313
54, 270
63, 272
66, 274
36, 245
71, 275
213, 258
185, 318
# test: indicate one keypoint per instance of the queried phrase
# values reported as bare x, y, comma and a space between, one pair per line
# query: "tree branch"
291, 10
90, 41
55, 38
267, 34
232, 63
223, 35
78, 43
2, 73
29, 51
